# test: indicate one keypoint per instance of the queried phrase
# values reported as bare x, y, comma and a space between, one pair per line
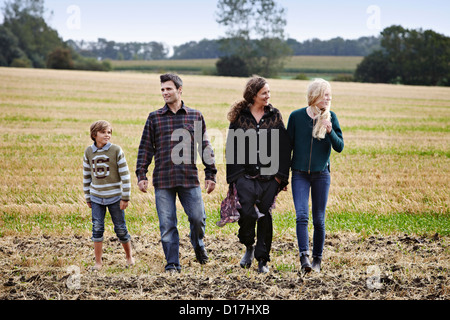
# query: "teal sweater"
317, 157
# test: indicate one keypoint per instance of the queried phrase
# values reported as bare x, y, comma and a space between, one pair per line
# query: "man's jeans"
319, 184
118, 219
192, 202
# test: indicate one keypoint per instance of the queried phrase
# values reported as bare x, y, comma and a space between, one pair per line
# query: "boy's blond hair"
99, 126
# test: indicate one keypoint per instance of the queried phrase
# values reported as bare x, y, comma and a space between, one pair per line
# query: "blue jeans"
117, 217
192, 202
319, 184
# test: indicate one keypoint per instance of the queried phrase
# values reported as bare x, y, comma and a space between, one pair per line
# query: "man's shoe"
246, 261
200, 254
316, 264
262, 266
306, 265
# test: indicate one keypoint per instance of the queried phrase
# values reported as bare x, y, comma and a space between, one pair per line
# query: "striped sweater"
105, 173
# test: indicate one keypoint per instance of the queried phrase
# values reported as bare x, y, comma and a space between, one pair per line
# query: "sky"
175, 22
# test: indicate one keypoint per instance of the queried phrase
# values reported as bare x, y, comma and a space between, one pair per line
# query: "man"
175, 172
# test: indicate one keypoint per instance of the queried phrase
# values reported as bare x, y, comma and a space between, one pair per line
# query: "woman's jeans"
192, 202
117, 217
319, 184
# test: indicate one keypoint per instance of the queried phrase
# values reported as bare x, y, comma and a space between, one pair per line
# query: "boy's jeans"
118, 219
192, 202
319, 183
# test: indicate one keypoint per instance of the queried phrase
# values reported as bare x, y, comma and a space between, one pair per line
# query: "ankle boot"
316, 263
262, 266
306, 265
247, 259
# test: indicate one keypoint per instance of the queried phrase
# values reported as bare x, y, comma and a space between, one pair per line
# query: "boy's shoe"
172, 269
246, 261
201, 255
316, 264
306, 265
262, 266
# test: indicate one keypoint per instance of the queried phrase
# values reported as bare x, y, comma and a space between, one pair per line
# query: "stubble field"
387, 221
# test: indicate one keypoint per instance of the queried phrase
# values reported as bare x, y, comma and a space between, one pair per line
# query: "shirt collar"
166, 108
105, 147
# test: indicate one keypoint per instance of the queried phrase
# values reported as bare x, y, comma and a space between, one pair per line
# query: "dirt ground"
354, 267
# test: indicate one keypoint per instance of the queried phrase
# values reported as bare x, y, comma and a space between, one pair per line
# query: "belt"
259, 177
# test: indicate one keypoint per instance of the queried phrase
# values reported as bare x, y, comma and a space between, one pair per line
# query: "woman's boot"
247, 259
304, 261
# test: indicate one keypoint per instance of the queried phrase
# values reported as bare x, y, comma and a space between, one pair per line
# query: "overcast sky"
175, 22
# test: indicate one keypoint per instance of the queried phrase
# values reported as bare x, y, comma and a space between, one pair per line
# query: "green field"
389, 202
395, 163
325, 66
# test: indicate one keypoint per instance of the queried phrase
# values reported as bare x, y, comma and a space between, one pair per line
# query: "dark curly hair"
253, 86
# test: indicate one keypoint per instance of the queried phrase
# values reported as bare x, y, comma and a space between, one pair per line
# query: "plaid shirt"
157, 142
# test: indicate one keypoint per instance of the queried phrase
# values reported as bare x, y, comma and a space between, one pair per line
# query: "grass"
392, 177
366, 223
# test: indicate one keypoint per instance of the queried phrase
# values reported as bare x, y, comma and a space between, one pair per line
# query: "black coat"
261, 149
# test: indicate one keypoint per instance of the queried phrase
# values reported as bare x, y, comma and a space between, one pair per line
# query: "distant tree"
375, 68
408, 56
155, 51
25, 19
60, 58
231, 66
21, 63
204, 49
9, 47
255, 33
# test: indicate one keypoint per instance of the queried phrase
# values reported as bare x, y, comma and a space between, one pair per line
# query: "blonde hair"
98, 126
315, 94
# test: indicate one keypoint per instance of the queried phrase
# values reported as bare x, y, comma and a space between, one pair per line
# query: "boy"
106, 183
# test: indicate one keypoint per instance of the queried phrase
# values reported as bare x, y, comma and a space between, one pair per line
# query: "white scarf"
319, 130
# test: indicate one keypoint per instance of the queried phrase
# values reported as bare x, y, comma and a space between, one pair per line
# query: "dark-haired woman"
258, 160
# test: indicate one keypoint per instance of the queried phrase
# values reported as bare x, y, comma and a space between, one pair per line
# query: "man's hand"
143, 185
209, 186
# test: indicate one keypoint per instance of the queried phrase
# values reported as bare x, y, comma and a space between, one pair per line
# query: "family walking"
260, 153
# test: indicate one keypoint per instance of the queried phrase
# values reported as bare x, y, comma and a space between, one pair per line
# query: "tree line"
106, 49
213, 49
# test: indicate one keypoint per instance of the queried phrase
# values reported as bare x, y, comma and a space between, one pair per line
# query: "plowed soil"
354, 267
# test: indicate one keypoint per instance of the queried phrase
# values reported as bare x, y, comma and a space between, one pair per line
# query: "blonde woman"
313, 130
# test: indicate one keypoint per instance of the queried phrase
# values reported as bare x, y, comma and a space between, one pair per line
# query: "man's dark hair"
172, 77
